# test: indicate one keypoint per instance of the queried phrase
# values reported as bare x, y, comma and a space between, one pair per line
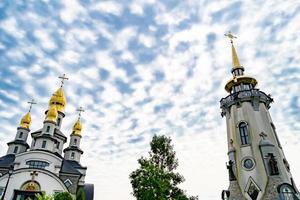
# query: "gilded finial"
63, 78
235, 59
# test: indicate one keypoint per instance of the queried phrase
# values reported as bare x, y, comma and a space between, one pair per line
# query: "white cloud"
72, 10
10, 26
45, 40
147, 40
109, 7
193, 80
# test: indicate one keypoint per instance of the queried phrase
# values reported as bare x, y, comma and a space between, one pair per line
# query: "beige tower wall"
258, 120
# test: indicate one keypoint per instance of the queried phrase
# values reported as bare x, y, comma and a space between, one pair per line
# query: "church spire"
235, 60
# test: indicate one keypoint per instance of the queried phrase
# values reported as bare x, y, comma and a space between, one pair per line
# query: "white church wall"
49, 182
54, 161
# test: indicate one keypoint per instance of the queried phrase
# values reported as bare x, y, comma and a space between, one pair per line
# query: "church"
45, 165
258, 168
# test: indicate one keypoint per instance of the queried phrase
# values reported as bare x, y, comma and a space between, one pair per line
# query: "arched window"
37, 164
75, 141
72, 155
44, 144
244, 134
16, 149
58, 121
21, 135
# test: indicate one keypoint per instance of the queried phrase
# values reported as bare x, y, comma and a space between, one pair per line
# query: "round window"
248, 163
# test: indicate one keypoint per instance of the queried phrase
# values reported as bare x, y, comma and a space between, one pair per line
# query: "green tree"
63, 196
80, 194
156, 177
43, 196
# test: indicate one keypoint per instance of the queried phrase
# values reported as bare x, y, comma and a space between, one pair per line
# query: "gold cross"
33, 175
80, 110
230, 36
63, 78
31, 103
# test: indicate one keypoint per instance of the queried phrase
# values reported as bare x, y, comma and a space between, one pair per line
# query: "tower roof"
51, 114
59, 100
77, 127
25, 121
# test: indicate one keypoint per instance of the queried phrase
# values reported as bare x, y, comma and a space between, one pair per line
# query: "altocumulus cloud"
144, 67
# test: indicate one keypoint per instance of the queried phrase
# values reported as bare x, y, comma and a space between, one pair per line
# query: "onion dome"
77, 128
51, 114
59, 100
26, 121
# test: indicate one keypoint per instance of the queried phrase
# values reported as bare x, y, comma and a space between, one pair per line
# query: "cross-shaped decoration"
33, 175
63, 78
31, 103
230, 36
80, 110
263, 135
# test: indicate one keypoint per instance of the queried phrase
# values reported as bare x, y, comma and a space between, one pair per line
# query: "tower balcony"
255, 96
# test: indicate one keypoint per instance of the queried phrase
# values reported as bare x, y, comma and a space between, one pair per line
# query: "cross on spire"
230, 36
80, 110
33, 175
263, 135
31, 103
63, 78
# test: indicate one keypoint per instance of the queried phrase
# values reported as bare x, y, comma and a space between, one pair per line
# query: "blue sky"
144, 67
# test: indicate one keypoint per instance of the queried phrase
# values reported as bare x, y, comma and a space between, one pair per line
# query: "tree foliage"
80, 194
63, 196
156, 177
43, 196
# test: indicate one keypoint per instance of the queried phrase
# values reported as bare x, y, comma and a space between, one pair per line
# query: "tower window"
21, 135
68, 183
48, 129
72, 155
58, 121
57, 145
286, 192
253, 191
75, 141
34, 142
244, 134
44, 144
16, 149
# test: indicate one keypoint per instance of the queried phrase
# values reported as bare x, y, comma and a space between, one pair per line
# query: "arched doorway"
28, 191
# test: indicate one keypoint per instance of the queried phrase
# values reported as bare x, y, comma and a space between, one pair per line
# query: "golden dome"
58, 99
77, 127
52, 114
26, 121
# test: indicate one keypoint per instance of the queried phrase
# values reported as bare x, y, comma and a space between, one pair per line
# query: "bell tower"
258, 169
